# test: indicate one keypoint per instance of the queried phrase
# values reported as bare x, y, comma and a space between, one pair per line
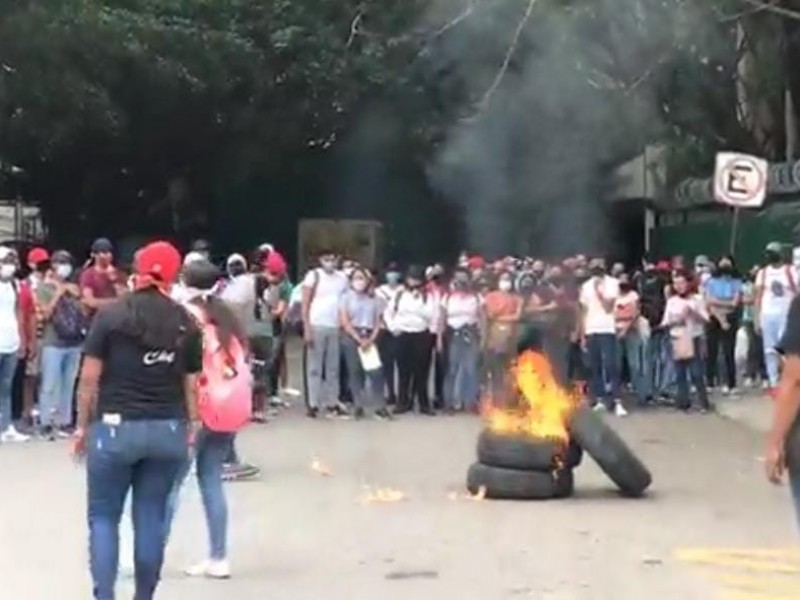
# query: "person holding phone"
100, 282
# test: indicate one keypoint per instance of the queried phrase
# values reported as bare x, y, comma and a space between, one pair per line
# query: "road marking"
748, 573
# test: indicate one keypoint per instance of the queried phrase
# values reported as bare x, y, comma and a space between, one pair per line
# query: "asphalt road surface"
711, 528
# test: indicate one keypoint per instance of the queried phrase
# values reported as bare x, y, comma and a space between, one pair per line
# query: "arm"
87, 297
346, 324
26, 326
377, 325
88, 384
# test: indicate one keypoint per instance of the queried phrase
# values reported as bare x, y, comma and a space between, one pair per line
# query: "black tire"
613, 455
524, 453
511, 484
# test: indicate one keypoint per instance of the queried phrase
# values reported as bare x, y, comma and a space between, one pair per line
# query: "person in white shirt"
459, 332
597, 298
685, 317
627, 313
387, 341
776, 287
12, 339
322, 291
411, 317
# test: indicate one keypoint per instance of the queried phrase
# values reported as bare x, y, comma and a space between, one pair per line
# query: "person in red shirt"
38, 261
100, 282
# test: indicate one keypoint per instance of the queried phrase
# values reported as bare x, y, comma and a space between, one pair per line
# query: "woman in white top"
685, 317
411, 318
459, 332
387, 341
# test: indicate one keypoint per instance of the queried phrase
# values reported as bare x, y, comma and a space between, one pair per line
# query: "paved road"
296, 535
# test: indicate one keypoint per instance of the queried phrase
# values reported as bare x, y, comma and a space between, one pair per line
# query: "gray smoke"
532, 166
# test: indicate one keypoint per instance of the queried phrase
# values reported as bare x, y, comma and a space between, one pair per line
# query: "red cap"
275, 264
157, 264
663, 265
476, 262
37, 255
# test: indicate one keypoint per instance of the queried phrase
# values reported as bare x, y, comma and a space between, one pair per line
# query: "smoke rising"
532, 164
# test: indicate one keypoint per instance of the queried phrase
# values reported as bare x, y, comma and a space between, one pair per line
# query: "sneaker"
213, 569
11, 435
619, 409
276, 402
340, 411
726, 390
748, 382
312, 413
291, 392
599, 407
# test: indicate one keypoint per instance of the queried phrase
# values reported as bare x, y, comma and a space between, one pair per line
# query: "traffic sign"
740, 180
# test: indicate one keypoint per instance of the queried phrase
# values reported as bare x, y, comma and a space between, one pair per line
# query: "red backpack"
225, 387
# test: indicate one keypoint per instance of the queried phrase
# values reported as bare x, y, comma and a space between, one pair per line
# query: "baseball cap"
275, 263
159, 261
102, 245
774, 247
37, 255
60, 256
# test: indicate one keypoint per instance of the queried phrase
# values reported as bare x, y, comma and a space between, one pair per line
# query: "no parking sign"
740, 180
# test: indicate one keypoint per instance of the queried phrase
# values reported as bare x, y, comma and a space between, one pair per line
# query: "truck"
359, 240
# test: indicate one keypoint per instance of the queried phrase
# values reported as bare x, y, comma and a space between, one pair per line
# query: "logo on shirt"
158, 357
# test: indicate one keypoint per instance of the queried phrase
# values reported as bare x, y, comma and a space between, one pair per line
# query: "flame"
543, 408
381, 495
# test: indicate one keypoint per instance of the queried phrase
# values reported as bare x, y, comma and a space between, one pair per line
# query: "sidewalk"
752, 408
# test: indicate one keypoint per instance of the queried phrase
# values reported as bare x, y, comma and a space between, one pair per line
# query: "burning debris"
381, 495
531, 446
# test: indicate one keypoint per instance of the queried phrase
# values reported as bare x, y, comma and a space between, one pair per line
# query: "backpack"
69, 321
224, 395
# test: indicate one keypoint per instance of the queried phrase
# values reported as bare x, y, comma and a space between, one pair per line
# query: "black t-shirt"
651, 294
139, 382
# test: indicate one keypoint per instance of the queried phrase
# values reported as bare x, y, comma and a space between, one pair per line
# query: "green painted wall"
708, 231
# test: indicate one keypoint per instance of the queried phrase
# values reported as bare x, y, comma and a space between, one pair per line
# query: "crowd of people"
145, 352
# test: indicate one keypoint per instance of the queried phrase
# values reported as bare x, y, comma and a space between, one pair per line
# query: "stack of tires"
523, 468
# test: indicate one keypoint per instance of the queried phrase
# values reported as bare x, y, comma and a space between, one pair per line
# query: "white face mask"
359, 285
63, 270
7, 270
504, 285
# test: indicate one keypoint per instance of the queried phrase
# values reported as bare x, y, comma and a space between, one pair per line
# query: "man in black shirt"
651, 284
783, 447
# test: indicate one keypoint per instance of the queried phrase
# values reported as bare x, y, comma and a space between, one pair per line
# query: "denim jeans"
8, 366
659, 359
772, 327
59, 369
143, 456
694, 370
366, 388
632, 348
601, 353
212, 449
461, 386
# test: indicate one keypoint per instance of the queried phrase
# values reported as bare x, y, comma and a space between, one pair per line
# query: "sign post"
740, 181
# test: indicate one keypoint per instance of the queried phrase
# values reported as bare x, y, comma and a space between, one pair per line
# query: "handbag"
682, 343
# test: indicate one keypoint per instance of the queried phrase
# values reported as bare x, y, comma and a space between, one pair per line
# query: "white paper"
370, 359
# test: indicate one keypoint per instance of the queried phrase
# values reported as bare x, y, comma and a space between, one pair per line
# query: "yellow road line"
744, 560
737, 595
759, 583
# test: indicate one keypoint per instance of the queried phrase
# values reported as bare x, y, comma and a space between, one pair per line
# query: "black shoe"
428, 411
359, 414
312, 413
339, 411
383, 415
401, 410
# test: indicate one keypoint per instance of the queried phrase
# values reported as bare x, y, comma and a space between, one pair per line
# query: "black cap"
61, 256
102, 245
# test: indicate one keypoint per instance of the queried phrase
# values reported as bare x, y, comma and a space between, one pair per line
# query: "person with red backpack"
224, 402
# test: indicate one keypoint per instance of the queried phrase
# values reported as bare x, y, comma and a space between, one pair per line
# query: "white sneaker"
619, 409
213, 569
726, 390
291, 392
748, 382
599, 407
12, 435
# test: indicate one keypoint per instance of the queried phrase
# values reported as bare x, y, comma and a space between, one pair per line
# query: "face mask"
7, 271
63, 270
504, 285
359, 285
236, 269
328, 265
392, 277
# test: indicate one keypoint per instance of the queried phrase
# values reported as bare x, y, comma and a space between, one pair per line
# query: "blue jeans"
661, 365
601, 354
461, 385
694, 370
8, 366
211, 452
632, 348
59, 369
366, 388
772, 327
146, 457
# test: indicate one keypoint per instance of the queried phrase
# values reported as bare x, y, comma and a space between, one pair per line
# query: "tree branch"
778, 10
509, 54
466, 13
353, 29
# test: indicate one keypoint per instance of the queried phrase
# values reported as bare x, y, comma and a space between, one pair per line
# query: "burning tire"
512, 484
525, 454
613, 455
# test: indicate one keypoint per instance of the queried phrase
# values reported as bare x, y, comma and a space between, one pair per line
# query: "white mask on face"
504, 285
359, 285
63, 270
7, 270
